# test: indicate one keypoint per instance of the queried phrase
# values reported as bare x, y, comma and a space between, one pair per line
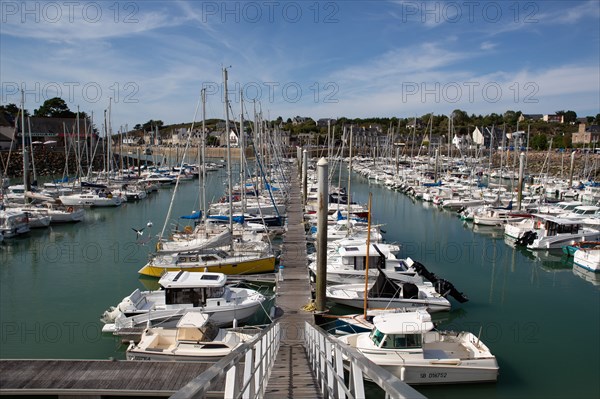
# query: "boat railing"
328, 357
246, 369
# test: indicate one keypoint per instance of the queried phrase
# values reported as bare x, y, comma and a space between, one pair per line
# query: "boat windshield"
399, 341
377, 336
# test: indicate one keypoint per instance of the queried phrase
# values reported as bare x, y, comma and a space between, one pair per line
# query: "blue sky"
308, 58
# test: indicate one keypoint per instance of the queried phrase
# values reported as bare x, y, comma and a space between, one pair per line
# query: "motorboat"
388, 294
588, 257
552, 232
13, 223
193, 339
406, 345
182, 293
347, 265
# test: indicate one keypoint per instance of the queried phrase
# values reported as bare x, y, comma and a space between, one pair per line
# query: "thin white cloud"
571, 14
77, 27
485, 46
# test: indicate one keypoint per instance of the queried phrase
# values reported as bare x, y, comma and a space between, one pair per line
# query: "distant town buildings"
587, 134
554, 118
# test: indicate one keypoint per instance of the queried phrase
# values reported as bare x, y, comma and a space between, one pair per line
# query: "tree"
152, 124
561, 141
54, 108
598, 118
539, 142
568, 116
12, 109
511, 117
460, 117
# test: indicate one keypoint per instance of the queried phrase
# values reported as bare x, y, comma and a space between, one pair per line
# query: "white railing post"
339, 369
323, 365
258, 363
329, 363
248, 374
356, 377
231, 383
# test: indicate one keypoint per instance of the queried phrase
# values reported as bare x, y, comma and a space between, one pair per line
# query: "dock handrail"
327, 357
258, 357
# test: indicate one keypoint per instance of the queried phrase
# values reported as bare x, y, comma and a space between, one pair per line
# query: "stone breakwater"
52, 163
556, 164
49, 163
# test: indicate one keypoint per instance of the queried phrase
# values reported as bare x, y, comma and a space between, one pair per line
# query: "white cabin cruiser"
388, 294
181, 293
406, 345
13, 223
193, 339
588, 258
554, 233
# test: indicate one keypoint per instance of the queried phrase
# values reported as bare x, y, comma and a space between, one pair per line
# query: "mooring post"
520, 187
299, 160
322, 176
304, 176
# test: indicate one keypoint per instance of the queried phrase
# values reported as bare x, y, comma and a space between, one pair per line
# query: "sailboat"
219, 254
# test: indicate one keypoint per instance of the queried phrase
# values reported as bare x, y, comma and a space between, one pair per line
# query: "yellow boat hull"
263, 265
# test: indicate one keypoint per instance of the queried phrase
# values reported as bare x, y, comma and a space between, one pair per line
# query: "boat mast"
26, 182
242, 149
203, 95
32, 154
349, 181
229, 187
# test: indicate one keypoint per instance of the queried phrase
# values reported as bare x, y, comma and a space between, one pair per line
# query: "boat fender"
402, 373
70, 209
188, 230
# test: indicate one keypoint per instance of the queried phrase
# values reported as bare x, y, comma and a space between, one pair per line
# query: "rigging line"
187, 144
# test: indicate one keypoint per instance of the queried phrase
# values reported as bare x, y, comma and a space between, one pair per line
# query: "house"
415, 123
7, 131
531, 117
488, 136
300, 119
554, 118
324, 122
54, 131
233, 139
586, 134
462, 141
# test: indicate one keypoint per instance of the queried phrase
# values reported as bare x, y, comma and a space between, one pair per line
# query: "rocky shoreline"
51, 163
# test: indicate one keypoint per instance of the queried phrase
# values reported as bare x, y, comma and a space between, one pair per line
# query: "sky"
150, 59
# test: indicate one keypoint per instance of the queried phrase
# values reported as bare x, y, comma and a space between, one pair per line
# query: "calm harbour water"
537, 315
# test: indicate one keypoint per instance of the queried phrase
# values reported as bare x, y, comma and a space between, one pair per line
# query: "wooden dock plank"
292, 376
101, 376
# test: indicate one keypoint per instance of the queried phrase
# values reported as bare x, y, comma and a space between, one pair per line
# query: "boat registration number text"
432, 375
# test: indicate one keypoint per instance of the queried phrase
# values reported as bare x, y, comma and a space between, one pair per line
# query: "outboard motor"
445, 287
527, 238
422, 271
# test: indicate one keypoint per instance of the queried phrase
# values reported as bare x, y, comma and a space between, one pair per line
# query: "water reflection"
587, 275
488, 231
